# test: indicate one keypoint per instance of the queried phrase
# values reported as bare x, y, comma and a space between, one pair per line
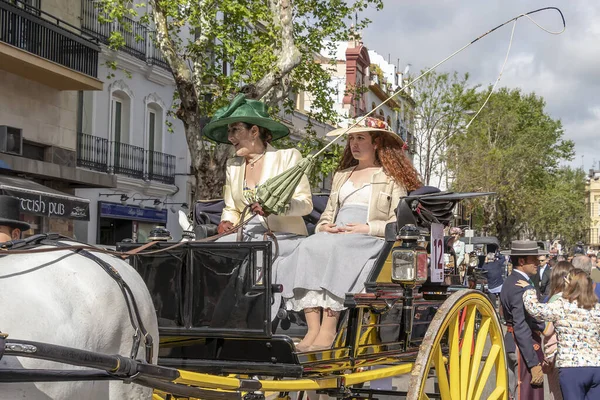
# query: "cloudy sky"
564, 69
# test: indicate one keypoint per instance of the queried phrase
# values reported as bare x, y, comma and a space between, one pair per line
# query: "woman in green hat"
246, 125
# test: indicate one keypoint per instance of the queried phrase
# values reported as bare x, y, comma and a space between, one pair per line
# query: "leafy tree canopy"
442, 105
515, 149
216, 47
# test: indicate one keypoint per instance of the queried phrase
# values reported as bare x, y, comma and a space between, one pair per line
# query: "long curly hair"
392, 158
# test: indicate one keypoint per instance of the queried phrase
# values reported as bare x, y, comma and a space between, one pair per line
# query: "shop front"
117, 222
44, 208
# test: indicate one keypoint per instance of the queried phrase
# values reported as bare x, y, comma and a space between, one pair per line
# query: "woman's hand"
225, 226
355, 228
522, 283
330, 228
256, 208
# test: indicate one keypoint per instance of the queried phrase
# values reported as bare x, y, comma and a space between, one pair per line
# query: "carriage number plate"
437, 253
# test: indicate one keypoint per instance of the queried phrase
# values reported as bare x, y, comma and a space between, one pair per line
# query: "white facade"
395, 113
132, 109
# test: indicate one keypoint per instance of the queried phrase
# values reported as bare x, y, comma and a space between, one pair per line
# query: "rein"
20, 246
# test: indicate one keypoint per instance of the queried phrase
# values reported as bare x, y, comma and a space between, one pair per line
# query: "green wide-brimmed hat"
245, 110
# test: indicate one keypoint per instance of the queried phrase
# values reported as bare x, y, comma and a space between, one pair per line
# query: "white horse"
67, 299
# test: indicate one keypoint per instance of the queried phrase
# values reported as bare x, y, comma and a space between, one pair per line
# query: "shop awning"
41, 200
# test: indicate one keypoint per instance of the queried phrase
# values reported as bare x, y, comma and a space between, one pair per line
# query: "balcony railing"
92, 152
127, 160
137, 37
39, 33
100, 155
155, 56
161, 167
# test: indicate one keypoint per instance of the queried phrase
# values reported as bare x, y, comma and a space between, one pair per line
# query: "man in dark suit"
541, 280
525, 329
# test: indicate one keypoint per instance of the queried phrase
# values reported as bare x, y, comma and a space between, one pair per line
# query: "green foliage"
560, 208
515, 149
326, 163
216, 47
442, 103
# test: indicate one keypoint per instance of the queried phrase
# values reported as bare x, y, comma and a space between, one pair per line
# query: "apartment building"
46, 60
125, 131
361, 81
87, 149
592, 189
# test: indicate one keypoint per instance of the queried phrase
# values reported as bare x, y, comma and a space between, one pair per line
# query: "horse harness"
132, 307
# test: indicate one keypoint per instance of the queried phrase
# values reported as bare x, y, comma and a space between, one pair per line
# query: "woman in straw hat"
372, 176
246, 125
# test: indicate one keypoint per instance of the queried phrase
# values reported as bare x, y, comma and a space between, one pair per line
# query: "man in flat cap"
524, 329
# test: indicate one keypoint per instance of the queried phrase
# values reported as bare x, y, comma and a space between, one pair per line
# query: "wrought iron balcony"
127, 160
161, 167
92, 152
39, 33
155, 56
137, 37
100, 155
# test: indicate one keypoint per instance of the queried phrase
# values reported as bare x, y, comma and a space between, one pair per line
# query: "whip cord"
403, 88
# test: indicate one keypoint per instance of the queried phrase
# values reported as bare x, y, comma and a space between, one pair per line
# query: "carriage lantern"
160, 233
409, 260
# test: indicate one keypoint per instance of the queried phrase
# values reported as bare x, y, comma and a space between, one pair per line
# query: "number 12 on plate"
437, 252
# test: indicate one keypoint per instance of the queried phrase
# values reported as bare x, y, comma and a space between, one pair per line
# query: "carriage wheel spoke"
454, 342
498, 393
441, 372
478, 353
465, 356
463, 332
487, 369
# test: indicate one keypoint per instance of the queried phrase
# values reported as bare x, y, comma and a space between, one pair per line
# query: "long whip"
403, 88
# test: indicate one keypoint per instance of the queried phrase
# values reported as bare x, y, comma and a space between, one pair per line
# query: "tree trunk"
210, 173
208, 165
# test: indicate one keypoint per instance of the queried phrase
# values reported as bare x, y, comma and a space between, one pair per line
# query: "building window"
154, 130
119, 120
85, 109
120, 112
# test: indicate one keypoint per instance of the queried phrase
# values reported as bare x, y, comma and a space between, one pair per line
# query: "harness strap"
132, 308
138, 249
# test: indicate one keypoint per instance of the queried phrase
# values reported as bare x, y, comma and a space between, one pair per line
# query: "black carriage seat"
207, 215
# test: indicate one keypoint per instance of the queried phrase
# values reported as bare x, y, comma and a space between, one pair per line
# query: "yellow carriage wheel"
464, 349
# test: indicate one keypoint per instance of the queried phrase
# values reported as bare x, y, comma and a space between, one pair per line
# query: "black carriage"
218, 338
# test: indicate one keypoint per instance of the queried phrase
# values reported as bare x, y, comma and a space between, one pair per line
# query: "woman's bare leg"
328, 330
313, 320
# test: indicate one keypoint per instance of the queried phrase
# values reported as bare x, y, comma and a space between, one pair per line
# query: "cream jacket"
275, 162
385, 196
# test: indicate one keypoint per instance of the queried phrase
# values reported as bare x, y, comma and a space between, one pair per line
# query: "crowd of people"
552, 314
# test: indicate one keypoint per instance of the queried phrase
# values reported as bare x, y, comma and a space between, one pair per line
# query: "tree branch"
288, 56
